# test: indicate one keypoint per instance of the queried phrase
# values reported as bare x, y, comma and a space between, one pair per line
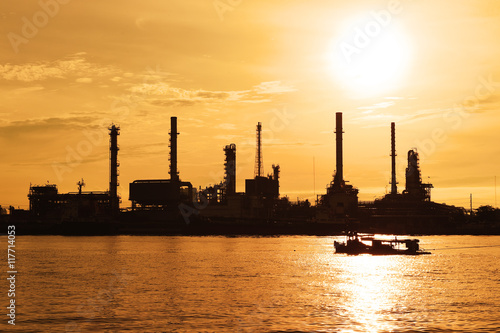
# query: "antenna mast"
259, 167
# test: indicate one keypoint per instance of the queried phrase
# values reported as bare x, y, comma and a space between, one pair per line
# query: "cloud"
227, 137
173, 102
238, 95
491, 103
226, 126
210, 94
381, 105
84, 80
375, 118
256, 101
146, 149
25, 90
75, 65
165, 94
28, 128
425, 114
273, 87
30, 72
165, 89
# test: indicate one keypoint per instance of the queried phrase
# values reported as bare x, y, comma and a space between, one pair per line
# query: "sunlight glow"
368, 62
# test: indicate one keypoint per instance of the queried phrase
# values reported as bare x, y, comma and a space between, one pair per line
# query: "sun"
368, 62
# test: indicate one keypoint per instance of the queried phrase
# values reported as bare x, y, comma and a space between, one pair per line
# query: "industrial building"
47, 204
341, 199
412, 210
256, 204
159, 199
82, 206
260, 186
159, 205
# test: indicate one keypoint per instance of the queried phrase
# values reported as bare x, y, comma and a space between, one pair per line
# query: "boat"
356, 244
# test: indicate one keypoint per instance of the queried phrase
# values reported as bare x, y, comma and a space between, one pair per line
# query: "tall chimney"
230, 168
174, 175
394, 187
338, 181
114, 131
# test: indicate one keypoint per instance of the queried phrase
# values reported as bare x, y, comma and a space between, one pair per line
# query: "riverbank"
226, 229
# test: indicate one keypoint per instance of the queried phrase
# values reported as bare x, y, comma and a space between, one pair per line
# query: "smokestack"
174, 175
114, 131
394, 187
339, 175
230, 168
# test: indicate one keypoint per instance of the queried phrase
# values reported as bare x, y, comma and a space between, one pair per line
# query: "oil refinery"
175, 206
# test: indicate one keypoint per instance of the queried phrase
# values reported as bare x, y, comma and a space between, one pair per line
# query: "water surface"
245, 284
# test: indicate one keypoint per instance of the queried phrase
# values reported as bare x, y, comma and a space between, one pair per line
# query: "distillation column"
230, 169
174, 174
394, 186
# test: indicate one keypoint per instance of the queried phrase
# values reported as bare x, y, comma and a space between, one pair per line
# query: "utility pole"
314, 178
471, 204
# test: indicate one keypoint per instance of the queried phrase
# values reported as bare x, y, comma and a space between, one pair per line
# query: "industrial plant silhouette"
173, 206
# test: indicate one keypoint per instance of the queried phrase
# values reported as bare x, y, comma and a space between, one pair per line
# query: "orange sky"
70, 68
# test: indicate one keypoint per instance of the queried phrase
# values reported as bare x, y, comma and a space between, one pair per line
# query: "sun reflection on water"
371, 289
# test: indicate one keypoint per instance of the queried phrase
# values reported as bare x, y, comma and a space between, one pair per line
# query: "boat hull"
353, 246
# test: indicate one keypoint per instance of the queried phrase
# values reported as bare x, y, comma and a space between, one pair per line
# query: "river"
251, 284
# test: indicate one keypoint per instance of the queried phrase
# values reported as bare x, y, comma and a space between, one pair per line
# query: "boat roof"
392, 241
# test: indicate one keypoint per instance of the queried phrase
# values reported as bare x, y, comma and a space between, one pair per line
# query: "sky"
71, 68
